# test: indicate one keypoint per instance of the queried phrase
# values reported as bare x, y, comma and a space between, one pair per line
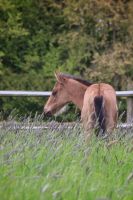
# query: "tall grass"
59, 165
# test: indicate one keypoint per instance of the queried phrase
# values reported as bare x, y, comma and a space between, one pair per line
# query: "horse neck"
76, 93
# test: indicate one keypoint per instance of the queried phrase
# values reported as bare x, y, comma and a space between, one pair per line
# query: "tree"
90, 38
28, 53
99, 39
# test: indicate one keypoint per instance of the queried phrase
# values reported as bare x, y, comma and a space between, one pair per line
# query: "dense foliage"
90, 38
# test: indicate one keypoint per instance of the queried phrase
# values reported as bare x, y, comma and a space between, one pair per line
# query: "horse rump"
99, 114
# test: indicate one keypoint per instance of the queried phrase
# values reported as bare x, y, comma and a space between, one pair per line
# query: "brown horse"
97, 102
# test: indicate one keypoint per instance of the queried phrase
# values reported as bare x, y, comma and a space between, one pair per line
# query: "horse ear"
60, 78
56, 76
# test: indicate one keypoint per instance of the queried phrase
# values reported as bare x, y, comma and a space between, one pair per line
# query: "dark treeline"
88, 38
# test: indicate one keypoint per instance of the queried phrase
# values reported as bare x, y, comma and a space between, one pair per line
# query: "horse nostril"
48, 114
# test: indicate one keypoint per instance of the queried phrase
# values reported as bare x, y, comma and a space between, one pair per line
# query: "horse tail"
100, 112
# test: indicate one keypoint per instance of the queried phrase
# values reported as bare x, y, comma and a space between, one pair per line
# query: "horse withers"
97, 102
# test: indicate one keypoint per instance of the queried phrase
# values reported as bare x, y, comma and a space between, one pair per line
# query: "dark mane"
85, 82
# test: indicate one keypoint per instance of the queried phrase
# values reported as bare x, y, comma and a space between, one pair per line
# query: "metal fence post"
130, 103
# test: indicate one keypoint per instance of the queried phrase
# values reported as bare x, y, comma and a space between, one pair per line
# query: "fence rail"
124, 93
48, 93
127, 94
24, 93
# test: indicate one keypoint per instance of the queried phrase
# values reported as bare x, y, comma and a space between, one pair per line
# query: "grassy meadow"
57, 164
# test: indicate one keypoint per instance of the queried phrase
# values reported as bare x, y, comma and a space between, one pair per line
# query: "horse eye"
54, 93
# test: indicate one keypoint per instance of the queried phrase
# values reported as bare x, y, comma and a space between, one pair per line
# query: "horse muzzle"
47, 113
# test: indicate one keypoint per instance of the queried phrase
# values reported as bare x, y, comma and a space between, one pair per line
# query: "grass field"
59, 165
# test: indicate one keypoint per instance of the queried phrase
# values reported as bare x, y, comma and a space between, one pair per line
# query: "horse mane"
84, 82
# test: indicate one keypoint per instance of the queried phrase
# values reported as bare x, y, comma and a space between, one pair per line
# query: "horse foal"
97, 102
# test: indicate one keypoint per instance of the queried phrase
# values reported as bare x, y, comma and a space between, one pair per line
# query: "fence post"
130, 103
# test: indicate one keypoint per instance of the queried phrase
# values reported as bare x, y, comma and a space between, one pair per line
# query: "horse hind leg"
110, 125
89, 128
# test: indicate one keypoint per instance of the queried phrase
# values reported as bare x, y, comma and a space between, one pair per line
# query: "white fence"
127, 94
47, 93
24, 93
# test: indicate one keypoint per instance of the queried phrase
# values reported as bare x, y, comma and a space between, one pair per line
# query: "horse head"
59, 96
